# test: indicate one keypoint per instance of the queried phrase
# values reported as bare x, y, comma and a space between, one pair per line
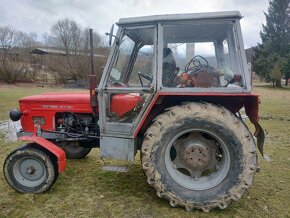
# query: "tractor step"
122, 169
115, 165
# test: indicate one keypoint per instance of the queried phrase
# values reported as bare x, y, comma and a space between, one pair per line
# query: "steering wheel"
115, 83
119, 84
142, 75
196, 64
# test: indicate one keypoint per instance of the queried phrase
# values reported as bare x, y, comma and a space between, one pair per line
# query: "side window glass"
133, 63
121, 61
200, 55
143, 67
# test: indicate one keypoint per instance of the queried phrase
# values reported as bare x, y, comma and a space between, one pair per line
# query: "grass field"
83, 190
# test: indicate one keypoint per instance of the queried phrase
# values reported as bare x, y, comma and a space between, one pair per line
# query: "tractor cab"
187, 54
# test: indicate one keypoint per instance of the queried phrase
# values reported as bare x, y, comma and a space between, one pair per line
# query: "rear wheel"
74, 150
199, 156
29, 170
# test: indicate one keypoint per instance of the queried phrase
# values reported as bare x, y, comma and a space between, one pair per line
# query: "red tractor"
172, 88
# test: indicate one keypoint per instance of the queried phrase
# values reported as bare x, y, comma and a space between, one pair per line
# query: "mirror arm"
111, 35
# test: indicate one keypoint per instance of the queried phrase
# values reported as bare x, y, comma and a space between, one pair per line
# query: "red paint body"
123, 103
47, 105
232, 101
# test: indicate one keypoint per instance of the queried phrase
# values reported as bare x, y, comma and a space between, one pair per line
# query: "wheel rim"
29, 172
197, 159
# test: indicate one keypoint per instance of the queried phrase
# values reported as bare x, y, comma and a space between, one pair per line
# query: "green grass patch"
271, 87
83, 190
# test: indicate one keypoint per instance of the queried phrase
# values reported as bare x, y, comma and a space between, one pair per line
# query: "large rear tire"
29, 170
200, 156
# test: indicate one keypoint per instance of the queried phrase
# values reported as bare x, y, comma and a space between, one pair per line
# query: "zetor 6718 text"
173, 87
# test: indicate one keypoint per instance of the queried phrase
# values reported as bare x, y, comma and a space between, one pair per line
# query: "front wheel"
29, 170
199, 156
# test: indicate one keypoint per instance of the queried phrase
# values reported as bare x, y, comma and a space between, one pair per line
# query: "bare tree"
74, 40
14, 53
12, 64
29, 41
67, 37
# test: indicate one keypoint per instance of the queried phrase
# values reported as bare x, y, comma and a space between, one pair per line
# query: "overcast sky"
39, 15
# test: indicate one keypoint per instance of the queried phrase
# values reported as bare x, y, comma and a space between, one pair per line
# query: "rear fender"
58, 152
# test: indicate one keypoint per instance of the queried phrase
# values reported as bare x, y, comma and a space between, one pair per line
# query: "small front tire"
29, 170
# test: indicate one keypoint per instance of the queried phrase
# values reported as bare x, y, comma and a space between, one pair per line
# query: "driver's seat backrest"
169, 68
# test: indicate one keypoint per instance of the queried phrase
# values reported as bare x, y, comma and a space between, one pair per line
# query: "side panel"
118, 148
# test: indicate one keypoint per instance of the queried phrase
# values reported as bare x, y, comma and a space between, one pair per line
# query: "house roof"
13, 50
45, 51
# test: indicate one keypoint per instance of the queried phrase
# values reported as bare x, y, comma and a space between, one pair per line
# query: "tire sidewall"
12, 159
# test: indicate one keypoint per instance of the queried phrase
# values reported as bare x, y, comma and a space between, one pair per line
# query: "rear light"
38, 120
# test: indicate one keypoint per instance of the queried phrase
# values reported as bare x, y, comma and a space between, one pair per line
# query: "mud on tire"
199, 155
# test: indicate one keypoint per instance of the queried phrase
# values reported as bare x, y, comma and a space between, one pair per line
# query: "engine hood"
48, 105
77, 102
58, 97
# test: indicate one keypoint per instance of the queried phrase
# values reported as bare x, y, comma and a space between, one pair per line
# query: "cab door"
128, 85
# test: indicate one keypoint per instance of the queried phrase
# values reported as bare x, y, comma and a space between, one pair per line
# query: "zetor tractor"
173, 88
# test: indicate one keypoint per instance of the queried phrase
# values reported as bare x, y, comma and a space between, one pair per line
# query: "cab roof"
180, 17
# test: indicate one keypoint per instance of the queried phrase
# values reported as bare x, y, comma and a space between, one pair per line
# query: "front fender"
55, 150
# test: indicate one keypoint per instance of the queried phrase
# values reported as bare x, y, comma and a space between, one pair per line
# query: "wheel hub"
196, 156
30, 170
191, 159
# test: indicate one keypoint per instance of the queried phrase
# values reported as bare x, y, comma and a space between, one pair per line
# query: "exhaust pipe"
93, 77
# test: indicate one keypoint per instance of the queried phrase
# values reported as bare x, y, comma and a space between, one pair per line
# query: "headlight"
38, 120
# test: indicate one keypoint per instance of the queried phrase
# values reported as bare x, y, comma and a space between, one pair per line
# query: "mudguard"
58, 152
251, 107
